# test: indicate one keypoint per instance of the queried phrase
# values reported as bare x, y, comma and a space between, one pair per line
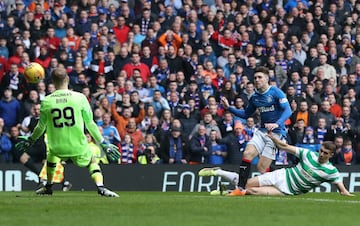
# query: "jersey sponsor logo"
283, 100
266, 109
60, 94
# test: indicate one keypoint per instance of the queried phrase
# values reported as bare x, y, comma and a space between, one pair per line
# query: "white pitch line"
284, 198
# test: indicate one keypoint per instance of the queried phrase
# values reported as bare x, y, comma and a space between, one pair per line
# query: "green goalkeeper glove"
112, 151
24, 143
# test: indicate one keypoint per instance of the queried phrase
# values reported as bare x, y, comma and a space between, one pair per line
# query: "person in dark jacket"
172, 149
200, 146
347, 156
235, 143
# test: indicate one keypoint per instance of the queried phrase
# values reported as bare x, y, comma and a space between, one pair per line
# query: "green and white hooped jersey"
309, 173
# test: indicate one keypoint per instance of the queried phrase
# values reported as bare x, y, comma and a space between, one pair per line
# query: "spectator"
28, 102
121, 121
135, 63
309, 137
15, 81
230, 67
329, 70
326, 114
188, 119
311, 96
218, 151
139, 87
127, 150
280, 74
38, 150
110, 133
151, 42
134, 133
100, 66
351, 59
346, 156
199, 146
173, 148
313, 60
145, 20
10, 110
209, 124
155, 128
226, 124
297, 132
302, 113
349, 119
235, 143
321, 130
145, 123
335, 108
158, 102
5, 147
149, 156
110, 94
174, 61
292, 64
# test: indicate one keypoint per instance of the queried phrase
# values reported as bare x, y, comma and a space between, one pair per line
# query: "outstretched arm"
237, 112
343, 190
282, 145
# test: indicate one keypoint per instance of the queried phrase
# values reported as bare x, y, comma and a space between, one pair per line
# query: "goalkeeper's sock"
244, 172
50, 171
31, 166
96, 175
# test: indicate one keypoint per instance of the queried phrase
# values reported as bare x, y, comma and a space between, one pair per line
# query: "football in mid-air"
34, 72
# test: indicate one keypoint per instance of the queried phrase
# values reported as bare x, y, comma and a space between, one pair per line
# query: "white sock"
232, 177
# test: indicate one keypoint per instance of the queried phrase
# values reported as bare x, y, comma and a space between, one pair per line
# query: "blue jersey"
272, 105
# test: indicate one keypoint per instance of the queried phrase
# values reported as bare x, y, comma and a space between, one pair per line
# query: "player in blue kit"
274, 110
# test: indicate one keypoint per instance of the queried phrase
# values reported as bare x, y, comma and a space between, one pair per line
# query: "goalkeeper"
63, 115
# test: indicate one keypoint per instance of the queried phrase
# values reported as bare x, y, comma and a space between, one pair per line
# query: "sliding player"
313, 169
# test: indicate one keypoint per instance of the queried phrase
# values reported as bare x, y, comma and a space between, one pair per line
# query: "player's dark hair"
262, 69
329, 145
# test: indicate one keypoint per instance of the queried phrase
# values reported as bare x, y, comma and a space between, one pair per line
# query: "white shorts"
275, 178
264, 145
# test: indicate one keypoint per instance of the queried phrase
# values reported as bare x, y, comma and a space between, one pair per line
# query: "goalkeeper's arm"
39, 130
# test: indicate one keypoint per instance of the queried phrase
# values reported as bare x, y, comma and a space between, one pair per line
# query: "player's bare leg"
266, 190
263, 164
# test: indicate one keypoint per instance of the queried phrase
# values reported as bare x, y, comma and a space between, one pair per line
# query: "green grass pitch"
172, 209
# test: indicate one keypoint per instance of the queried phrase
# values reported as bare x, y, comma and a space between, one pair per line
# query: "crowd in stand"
154, 72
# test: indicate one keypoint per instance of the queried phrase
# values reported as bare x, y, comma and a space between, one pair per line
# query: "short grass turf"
172, 209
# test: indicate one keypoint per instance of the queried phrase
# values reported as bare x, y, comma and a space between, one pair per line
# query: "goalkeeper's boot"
46, 190
206, 172
106, 192
237, 192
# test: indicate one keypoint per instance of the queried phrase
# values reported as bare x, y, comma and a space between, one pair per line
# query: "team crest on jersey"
310, 171
269, 99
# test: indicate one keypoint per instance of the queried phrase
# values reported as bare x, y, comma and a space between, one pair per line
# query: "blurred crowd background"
154, 73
